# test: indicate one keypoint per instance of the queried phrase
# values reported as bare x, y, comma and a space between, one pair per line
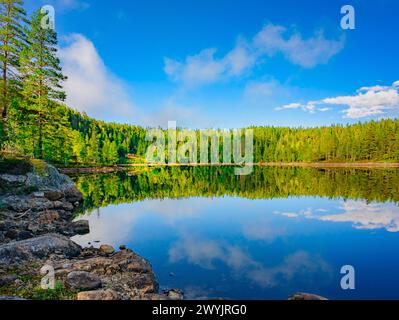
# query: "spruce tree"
41, 76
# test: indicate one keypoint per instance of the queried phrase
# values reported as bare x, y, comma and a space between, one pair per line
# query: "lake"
263, 236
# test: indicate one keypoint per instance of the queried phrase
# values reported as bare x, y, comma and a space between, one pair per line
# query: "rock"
37, 248
306, 296
18, 282
175, 294
83, 280
137, 266
33, 227
72, 194
107, 249
122, 247
25, 203
5, 225
15, 234
37, 187
7, 279
11, 298
48, 217
80, 227
63, 205
12, 233
12, 181
38, 194
23, 235
115, 273
53, 195
46, 177
98, 295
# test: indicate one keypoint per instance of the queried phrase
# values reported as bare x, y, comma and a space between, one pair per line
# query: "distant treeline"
264, 183
34, 122
89, 142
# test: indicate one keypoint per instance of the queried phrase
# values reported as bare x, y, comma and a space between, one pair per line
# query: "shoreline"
35, 233
38, 208
319, 165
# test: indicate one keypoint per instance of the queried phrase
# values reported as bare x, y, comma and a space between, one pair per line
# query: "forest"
265, 183
36, 123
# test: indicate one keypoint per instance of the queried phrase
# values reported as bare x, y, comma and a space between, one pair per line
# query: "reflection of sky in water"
260, 249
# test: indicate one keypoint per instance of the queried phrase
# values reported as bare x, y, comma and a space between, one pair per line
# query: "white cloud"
306, 53
205, 68
262, 230
299, 265
291, 106
310, 107
91, 87
368, 216
368, 101
363, 215
115, 225
206, 253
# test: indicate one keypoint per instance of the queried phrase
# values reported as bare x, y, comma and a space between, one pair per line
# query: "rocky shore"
37, 210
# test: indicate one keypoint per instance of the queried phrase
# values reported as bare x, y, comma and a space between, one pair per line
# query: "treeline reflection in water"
101, 190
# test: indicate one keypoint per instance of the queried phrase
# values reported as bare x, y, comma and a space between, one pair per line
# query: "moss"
30, 288
39, 166
60, 292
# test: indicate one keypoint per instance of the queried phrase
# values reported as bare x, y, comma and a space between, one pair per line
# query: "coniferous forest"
35, 122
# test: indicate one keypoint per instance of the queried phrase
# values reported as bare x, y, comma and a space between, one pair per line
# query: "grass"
39, 166
31, 289
60, 292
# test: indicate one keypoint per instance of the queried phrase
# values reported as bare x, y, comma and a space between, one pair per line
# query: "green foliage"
36, 124
60, 292
31, 289
372, 141
264, 183
41, 83
12, 40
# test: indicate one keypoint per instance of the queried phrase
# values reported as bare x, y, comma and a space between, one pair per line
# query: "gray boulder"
37, 248
306, 296
83, 281
80, 227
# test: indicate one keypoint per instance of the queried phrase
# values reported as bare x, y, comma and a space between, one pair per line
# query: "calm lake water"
263, 236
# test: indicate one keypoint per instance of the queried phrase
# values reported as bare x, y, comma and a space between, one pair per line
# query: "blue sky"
230, 63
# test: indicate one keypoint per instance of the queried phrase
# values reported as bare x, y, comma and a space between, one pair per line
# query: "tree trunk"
4, 99
40, 142
5, 91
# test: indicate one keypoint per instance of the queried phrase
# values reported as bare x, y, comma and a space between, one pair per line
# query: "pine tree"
41, 79
93, 153
12, 40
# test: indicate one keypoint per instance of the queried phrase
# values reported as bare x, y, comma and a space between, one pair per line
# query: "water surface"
263, 236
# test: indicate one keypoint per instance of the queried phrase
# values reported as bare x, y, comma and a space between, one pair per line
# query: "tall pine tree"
41, 80
12, 40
